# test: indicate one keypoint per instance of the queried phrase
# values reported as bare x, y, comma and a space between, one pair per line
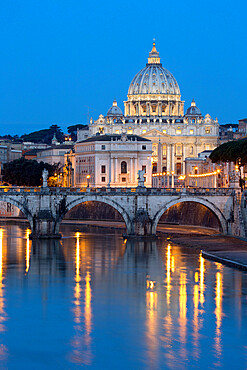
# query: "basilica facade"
154, 110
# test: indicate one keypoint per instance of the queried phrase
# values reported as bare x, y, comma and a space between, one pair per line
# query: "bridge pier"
44, 226
142, 225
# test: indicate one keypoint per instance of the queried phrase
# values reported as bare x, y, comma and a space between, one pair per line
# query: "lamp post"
88, 179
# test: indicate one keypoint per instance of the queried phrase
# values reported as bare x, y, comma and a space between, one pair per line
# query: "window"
144, 147
154, 167
155, 149
144, 168
103, 169
123, 179
178, 149
102, 179
191, 150
207, 130
117, 131
178, 131
193, 121
144, 131
130, 132
123, 167
164, 150
178, 168
164, 131
103, 147
191, 132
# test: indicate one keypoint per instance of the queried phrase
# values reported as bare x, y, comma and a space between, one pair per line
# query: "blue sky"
60, 57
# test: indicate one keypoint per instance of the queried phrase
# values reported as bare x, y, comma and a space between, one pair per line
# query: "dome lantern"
154, 57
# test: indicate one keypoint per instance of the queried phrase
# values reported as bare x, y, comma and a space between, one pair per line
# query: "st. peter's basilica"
155, 111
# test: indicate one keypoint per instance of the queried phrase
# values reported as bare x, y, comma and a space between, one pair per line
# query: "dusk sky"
60, 57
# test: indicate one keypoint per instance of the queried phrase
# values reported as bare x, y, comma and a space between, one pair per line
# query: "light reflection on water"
94, 300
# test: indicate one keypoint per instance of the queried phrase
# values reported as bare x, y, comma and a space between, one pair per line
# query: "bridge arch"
22, 208
215, 210
94, 198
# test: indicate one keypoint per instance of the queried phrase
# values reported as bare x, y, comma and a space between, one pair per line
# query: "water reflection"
132, 303
81, 341
218, 310
28, 249
3, 316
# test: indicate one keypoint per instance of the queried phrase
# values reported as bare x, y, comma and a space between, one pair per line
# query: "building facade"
154, 110
111, 160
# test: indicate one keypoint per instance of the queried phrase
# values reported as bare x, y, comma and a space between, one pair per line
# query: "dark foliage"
15, 138
233, 151
24, 172
45, 136
72, 130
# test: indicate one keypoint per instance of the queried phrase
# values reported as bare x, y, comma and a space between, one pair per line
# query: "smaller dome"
193, 110
114, 111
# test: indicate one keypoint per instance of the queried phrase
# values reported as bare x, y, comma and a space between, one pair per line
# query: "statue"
141, 178
45, 177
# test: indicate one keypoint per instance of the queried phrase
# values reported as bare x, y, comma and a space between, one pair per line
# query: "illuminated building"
111, 160
154, 110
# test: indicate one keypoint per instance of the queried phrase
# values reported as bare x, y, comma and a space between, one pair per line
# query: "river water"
94, 300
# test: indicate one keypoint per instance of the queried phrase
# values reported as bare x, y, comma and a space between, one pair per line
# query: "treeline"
25, 172
45, 136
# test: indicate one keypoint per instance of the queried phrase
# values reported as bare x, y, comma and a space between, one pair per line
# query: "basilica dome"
114, 111
154, 78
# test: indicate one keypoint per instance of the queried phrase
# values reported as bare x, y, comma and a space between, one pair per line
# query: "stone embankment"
227, 250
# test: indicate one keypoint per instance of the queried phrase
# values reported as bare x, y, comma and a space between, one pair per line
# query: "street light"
88, 178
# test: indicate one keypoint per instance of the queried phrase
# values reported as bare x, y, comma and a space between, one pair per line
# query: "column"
159, 164
135, 170
168, 157
131, 170
115, 171
172, 157
183, 158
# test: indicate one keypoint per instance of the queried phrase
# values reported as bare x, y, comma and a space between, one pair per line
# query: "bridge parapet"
112, 191
141, 208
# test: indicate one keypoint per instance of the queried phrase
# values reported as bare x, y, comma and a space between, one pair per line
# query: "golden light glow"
168, 273
2, 298
88, 310
182, 177
205, 174
196, 277
80, 355
151, 325
196, 319
202, 270
173, 263
28, 250
183, 312
1, 257
150, 284
218, 311
88, 176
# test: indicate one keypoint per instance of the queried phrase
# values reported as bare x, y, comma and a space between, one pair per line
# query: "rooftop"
113, 137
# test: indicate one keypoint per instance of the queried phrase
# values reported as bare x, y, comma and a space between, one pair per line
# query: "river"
96, 300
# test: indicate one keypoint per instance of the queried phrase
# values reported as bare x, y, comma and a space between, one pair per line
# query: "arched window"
123, 167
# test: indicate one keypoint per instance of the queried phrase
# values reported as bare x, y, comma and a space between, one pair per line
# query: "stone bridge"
141, 208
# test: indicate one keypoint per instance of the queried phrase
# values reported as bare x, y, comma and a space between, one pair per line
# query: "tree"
232, 151
25, 172
72, 130
45, 136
